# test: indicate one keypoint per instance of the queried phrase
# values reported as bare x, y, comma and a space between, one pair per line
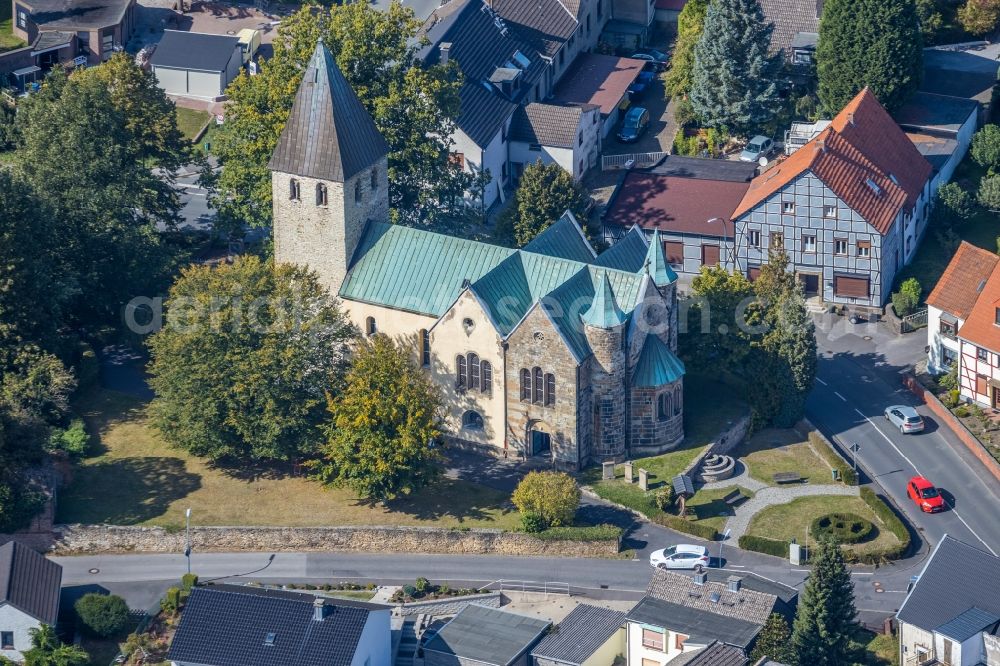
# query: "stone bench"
787, 477
734, 498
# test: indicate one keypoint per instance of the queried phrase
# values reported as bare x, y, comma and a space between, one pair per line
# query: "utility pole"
187, 546
855, 447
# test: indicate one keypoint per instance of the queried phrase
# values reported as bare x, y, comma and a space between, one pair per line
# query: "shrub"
824, 448
532, 523
188, 581
171, 602
687, 526
553, 496
906, 300
988, 195
73, 441
892, 522
421, 585
87, 369
962, 411
985, 147
764, 545
949, 380
841, 527
409, 591
584, 533
684, 114
102, 614
665, 497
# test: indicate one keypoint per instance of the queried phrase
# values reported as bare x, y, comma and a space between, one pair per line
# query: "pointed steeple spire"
604, 311
329, 134
656, 262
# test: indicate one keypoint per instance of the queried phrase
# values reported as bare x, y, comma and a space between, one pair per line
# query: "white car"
905, 418
682, 556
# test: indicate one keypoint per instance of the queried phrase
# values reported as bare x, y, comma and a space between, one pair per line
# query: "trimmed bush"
841, 527
73, 441
764, 545
532, 522
102, 615
553, 496
688, 527
891, 522
188, 581
171, 602
587, 533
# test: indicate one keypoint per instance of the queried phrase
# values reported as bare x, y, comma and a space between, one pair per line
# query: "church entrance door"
541, 443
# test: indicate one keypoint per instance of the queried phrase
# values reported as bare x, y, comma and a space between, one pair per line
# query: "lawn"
135, 478
772, 451
791, 521
709, 509
8, 41
190, 121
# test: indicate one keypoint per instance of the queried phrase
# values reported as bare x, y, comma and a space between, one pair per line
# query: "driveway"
660, 135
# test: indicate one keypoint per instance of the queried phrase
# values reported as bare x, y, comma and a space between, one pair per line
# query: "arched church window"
320, 194
374, 179
550, 389
677, 401
358, 195
472, 420
370, 327
293, 189
425, 348
663, 407
460, 365
487, 369
536, 395
525, 385
474, 371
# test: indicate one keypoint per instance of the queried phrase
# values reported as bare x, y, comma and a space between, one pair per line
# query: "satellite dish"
762, 160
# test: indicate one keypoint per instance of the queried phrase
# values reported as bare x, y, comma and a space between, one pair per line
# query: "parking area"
660, 134
216, 18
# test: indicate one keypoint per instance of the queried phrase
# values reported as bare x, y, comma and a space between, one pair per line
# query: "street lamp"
725, 240
187, 545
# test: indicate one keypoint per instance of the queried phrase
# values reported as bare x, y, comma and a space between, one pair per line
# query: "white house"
228, 625
565, 134
29, 596
951, 615
196, 65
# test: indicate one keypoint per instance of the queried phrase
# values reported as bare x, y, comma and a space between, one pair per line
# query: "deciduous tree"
381, 439
48, 650
825, 618
690, 24
985, 147
774, 641
979, 16
873, 43
546, 192
548, 499
102, 615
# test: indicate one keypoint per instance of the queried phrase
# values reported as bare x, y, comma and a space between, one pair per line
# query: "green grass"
208, 140
772, 451
8, 41
359, 595
792, 520
136, 478
190, 121
875, 649
709, 509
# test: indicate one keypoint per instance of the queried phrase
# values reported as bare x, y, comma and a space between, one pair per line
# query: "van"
249, 40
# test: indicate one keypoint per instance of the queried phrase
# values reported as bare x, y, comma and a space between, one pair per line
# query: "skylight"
892, 177
521, 60
269, 638
873, 186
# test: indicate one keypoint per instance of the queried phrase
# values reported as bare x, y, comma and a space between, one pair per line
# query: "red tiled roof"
672, 203
981, 328
672, 5
598, 79
862, 144
960, 284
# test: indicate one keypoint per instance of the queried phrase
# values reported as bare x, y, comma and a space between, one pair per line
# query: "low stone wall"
951, 421
92, 539
441, 607
727, 440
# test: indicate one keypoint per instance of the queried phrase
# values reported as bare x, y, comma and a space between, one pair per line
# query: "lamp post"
187, 545
725, 240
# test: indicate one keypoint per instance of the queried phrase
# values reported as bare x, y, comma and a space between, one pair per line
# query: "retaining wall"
723, 444
452, 606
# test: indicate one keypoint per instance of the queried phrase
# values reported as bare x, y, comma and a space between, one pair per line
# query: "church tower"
604, 325
329, 174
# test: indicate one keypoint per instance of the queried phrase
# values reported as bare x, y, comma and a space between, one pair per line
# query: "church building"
547, 351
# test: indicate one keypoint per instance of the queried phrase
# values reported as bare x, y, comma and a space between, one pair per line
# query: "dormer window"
320, 194
358, 195
293, 189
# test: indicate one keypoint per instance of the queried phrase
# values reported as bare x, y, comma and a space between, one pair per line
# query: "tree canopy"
413, 106
826, 616
873, 43
48, 650
545, 192
381, 439
245, 359
734, 80
690, 24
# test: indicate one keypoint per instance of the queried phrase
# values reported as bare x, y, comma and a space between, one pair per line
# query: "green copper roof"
628, 254
564, 239
657, 264
657, 365
604, 311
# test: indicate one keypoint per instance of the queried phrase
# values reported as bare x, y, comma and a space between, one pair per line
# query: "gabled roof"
963, 280
716, 654
487, 635
230, 626
628, 254
656, 262
968, 624
196, 51
957, 577
598, 79
746, 604
29, 582
863, 157
700, 626
580, 634
604, 311
791, 17
657, 365
980, 328
564, 239
77, 14
329, 134
554, 125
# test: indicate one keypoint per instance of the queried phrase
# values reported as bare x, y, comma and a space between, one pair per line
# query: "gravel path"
743, 479
737, 524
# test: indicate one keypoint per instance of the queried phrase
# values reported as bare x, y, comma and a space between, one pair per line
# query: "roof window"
521, 60
873, 186
892, 177
269, 638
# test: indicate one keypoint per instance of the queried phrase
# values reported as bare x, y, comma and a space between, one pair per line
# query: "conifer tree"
874, 43
774, 641
734, 82
825, 618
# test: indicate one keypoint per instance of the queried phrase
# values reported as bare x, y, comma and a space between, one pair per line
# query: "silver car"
905, 418
682, 556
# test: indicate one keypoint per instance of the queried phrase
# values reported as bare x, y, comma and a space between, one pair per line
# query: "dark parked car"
636, 122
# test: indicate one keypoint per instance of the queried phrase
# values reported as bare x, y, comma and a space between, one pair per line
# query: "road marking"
951, 506
862, 573
840, 396
738, 566
821, 382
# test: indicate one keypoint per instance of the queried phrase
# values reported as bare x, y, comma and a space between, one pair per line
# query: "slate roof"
555, 125
329, 134
628, 254
746, 604
563, 238
968, 624
791, 17
52, 39
197, 51
580, 634
862, 144
657, 365
957, 577
963, 280
546, 24
75, 15
967, 74
598, 79
604, 311
716, 654
487, 635
227, 626
30, 582
926, 111
701, 626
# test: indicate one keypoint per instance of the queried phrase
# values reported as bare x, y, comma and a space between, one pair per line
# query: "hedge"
87, 367
825, 449
842, 527
686, 526
764, 545
891, 522
587, 533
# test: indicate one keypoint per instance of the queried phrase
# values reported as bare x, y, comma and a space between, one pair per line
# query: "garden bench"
787, 477
734, 498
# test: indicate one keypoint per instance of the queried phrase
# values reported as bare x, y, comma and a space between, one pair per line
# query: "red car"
925, 495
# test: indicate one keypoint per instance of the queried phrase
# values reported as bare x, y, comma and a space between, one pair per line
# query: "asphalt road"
857, 380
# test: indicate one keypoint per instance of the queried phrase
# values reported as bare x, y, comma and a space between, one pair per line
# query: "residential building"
951, 615
92, 28
549, 351
29, 596
796, 29
565, 134
588, 636
950, 304
941, 128
195, 64
666, 13
481, 636
603, 81
848, 208
228, 625
682, 613
966, 73
690, 202
716, 654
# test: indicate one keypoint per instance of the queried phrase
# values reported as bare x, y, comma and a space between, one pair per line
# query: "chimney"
733, 583
700, 578
820, 145
319, 610
445, 49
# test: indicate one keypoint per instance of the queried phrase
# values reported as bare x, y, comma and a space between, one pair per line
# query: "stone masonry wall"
94, 539
442, 607
650, 435
607, 380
